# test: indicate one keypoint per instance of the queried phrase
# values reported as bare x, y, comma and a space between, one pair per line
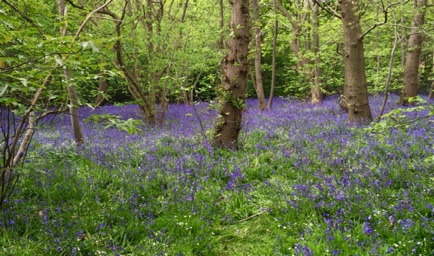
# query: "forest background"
80, 58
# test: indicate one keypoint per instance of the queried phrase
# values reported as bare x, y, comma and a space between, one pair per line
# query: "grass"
305, 182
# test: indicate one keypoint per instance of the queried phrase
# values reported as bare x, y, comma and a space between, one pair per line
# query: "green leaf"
3, 89
24, 81
58, 61
94, 48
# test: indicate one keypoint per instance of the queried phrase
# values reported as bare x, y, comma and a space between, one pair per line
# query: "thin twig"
252, 216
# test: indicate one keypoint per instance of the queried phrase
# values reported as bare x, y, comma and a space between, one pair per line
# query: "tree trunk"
259, 87
377, 45
403, 21
411, 68
73, 109
298, 20
317, 94
235, 69
355, 88
72, 95
273, 64
431, 91
102, 88
222, 24
145, 99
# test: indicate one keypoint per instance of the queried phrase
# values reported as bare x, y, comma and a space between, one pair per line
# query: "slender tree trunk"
403, 22
273, 64
259, 87
73, 109
300, 30
131, 75
389, 75
355, 89
235, 69
222, 24
411, 68
377, 44
73, 99
296, 29
431, 90
317, 94
102, 88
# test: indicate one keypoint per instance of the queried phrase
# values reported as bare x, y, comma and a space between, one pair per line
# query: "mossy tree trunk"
235, 69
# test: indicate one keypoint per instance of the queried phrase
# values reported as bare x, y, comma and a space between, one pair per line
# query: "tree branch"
88, 18
331, 12
74, 5
286, 13
385, 12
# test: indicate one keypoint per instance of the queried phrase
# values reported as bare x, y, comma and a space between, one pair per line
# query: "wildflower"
367, 228
406, 223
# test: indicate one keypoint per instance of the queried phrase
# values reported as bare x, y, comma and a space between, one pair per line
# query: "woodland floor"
304, 182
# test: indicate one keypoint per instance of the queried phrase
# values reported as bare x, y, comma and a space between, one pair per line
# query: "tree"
235, 69
259, 87
25, 82
411, 68
316, 92
355, 88
431, 89
273, 61
305, 31
74, 102
136, 79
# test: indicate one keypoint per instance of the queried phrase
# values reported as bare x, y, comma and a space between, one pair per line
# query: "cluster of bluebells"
326, 179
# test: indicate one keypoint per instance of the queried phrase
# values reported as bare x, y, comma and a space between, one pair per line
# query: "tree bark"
235, 69
259, 86
316, 92
411, 68
355, 88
